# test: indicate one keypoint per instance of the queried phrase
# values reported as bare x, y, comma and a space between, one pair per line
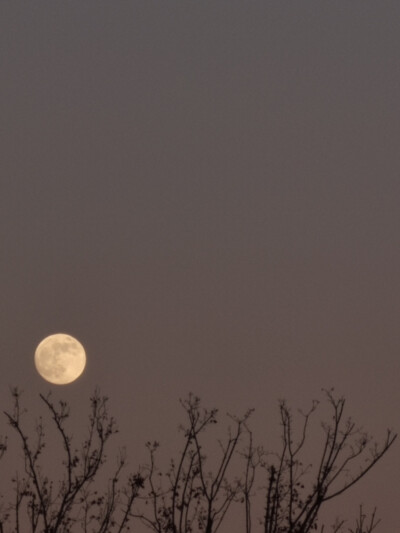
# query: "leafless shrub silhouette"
188, 497
73, 502
198, 487
296, 490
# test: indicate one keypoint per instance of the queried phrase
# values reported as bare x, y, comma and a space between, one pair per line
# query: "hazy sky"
206, 194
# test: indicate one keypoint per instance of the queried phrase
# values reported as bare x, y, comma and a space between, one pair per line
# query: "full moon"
60, 359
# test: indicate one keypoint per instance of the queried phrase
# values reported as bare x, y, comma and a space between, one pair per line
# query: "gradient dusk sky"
206, 194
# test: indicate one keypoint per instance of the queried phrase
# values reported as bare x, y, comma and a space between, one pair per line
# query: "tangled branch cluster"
198, 487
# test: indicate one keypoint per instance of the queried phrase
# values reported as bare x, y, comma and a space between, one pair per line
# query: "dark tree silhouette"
188, 496
192, 495
73, 502
198, 487
296, 490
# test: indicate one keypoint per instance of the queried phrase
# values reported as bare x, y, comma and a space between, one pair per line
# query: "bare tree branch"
76, 502
295, 493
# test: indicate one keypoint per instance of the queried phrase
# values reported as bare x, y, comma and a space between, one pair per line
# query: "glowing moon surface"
60, 359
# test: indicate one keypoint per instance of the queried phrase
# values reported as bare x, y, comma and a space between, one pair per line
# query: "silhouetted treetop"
208, 478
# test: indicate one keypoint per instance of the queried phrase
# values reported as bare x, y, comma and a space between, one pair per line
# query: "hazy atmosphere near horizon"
206, 195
